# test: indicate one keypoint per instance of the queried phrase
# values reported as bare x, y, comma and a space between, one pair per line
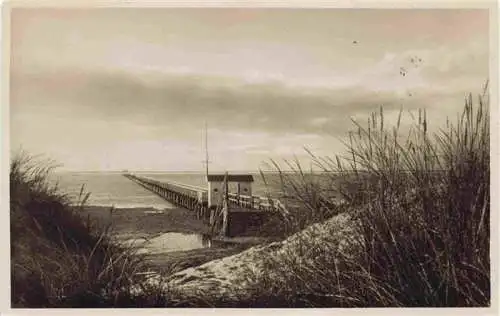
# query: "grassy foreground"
60, 259
420, 204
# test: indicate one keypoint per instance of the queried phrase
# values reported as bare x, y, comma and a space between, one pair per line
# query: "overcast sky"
108, 89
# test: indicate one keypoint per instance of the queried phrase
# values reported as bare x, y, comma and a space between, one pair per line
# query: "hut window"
215, 190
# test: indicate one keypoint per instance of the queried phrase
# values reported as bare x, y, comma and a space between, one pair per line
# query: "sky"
130, 88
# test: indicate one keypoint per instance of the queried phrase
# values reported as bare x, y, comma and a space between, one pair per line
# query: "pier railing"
195, 197
253, 202
185, 195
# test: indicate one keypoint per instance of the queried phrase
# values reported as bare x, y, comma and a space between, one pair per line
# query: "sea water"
108, 189
113, 189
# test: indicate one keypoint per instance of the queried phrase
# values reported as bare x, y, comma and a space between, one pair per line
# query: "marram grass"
420, 203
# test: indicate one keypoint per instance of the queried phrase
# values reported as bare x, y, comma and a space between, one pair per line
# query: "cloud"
178, 106
184, 101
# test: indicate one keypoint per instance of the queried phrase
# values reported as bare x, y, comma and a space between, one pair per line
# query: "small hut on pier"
216, 186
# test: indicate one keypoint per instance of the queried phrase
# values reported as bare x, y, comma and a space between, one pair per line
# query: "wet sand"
148, 221
130, 224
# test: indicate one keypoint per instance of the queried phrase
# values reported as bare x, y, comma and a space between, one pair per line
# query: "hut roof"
230, 178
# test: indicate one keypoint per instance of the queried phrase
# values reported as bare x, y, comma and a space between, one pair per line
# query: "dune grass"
60, 259
420, 206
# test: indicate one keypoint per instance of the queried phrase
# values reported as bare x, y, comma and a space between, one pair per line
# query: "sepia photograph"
249, 157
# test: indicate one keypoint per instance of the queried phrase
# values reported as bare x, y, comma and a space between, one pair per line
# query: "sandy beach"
143, 226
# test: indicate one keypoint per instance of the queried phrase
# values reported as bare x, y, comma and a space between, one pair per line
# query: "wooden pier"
187, 196
234, 210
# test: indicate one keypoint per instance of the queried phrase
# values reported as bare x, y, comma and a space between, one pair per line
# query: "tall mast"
206, 149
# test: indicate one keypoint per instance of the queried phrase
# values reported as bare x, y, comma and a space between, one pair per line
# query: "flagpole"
206, 149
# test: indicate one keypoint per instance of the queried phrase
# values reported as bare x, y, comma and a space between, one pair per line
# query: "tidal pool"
168, 242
